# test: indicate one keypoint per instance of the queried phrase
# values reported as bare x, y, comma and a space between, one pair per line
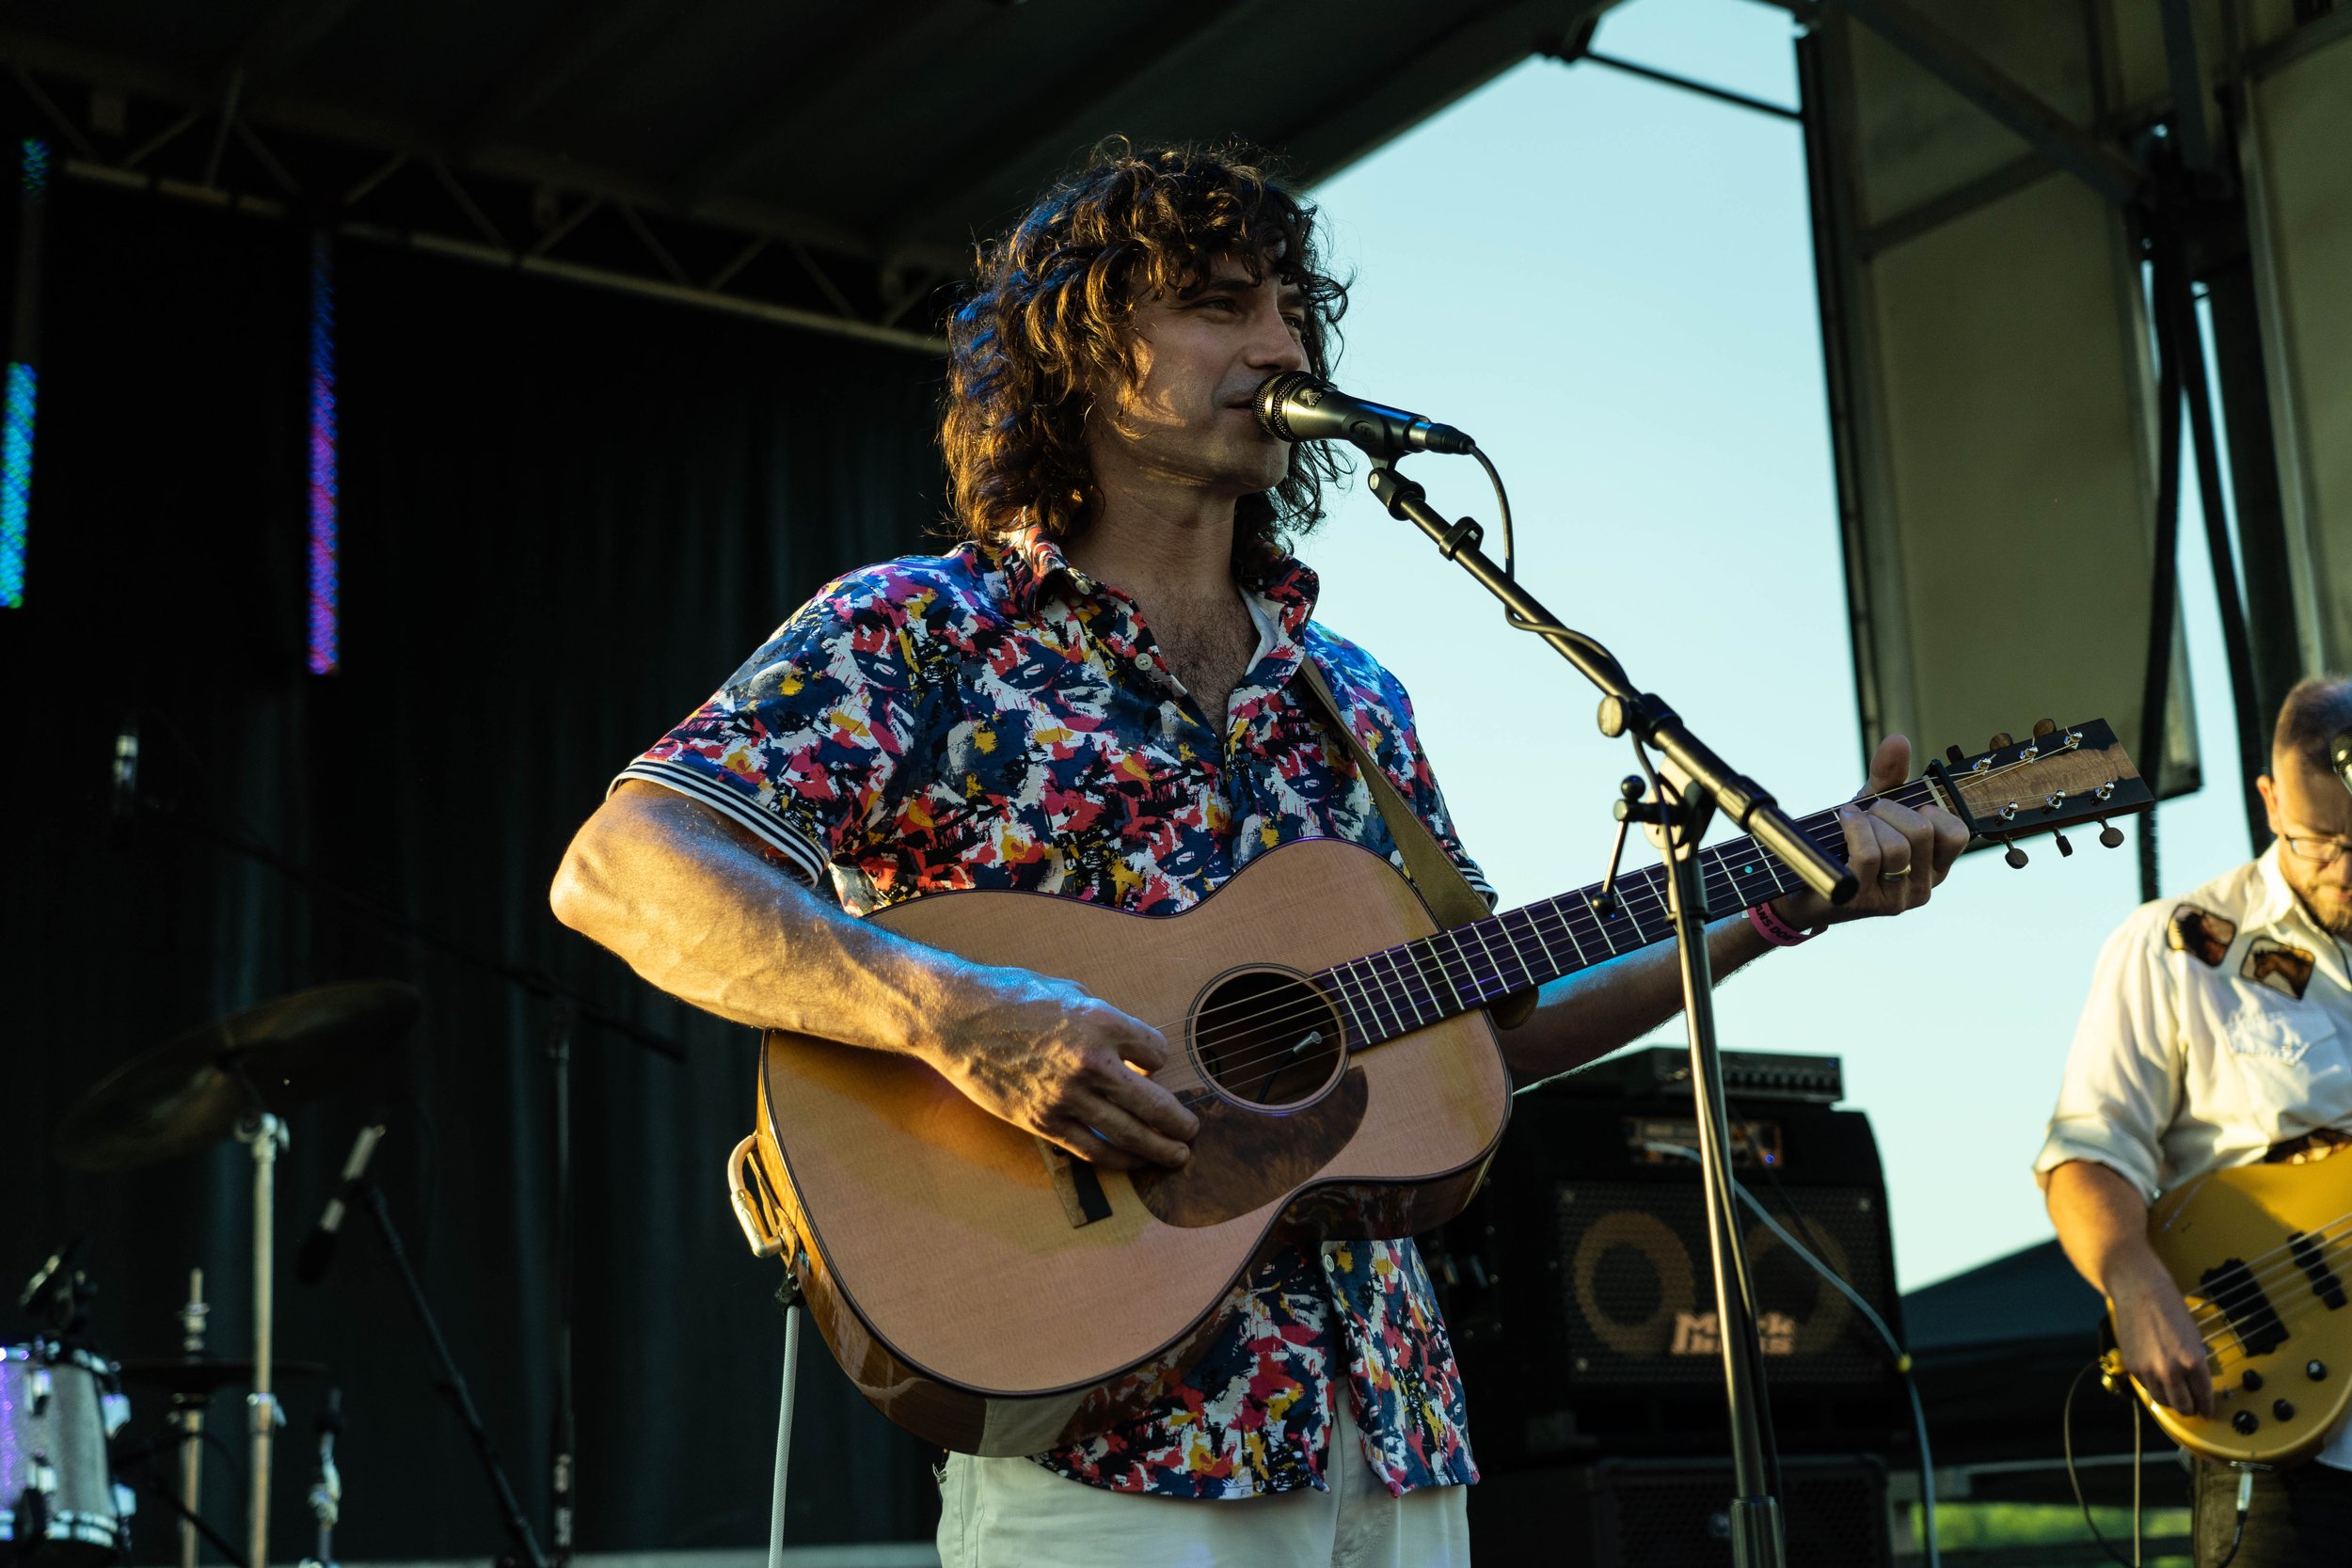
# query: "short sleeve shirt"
2218, 1025
993, 718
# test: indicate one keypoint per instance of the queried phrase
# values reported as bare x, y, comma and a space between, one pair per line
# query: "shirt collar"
1031, 559
2275, 903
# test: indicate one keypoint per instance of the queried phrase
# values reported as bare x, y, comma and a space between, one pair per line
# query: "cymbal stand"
265, 1134
568, 1008
188, 1415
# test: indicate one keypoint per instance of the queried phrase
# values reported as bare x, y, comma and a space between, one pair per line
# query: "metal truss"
557, 222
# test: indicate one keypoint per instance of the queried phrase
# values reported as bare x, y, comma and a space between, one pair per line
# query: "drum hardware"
240, 1076
566, 1008
326, 1492
188, 1414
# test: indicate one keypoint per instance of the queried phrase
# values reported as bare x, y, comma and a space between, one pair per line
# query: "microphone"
2340, 758
58, 1263
318, 1247
1293, 405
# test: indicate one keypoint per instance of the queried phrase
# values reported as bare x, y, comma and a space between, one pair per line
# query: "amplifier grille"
1638, 1297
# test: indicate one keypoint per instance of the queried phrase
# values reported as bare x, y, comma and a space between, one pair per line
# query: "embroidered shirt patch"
2283, 968
2201, 933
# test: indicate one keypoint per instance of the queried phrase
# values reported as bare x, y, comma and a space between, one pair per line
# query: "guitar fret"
1570, 927
1384, 977
1502, 924
1381, 1028
1494, 962
1355, 1017
1376, 991
1429, 945
1470, 967
1535, 929
1408, 983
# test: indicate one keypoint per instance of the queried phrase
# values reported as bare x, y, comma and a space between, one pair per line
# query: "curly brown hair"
1048, 312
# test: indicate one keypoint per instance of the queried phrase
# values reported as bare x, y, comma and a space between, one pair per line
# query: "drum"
58, 1498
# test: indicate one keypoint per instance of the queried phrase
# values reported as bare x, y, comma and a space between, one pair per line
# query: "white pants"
1014, 1514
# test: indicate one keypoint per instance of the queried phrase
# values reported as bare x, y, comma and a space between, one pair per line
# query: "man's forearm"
690, 905
2102, 1223
1592, 1013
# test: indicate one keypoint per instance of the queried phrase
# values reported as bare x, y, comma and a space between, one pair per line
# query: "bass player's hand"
1053, 1059
2159, 1342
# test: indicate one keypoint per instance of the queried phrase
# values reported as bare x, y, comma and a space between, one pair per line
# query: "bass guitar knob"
2244, 1422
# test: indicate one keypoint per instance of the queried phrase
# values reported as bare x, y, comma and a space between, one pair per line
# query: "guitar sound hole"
1268, 1037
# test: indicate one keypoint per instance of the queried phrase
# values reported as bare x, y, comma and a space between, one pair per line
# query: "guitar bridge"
1082, 1199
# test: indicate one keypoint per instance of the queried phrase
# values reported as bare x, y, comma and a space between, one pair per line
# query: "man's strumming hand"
1053, 1059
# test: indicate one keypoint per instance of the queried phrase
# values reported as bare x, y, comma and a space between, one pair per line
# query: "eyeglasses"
2315, 851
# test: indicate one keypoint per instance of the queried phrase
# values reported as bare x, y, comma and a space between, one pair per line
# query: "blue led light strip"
23, 392
16, 480
324, 652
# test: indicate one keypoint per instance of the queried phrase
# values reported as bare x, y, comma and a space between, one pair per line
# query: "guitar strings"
2245, 1289
2267, 1269
1823, 829
2256, 1283
1913, 793
1543, 922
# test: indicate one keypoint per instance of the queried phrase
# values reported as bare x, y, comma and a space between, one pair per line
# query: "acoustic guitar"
2264, 1254
994, 1296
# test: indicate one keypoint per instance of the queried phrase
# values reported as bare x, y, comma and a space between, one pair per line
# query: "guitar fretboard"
1402, 988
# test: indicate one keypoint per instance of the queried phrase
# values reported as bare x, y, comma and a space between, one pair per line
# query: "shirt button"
1143, 661
1329, 1262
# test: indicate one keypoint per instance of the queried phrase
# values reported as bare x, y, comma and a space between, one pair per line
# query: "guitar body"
996, 1298
2261, 1253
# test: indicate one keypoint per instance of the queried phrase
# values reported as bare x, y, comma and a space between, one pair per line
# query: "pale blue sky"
1610, 283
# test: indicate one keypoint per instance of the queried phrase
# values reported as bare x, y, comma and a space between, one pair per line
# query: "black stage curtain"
566, 516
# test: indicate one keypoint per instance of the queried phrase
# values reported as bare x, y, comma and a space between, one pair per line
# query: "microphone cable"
1895, 1349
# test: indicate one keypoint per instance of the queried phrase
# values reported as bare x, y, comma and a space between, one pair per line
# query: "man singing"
1097, 695
2219, 1032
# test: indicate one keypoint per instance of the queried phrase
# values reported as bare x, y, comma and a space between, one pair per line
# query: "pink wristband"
1775, 929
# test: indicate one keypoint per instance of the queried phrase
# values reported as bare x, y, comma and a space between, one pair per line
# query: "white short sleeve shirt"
2218, 1024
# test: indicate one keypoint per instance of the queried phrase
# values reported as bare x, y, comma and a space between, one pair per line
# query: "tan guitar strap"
1427, 866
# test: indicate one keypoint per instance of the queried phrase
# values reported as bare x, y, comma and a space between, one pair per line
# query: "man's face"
1186, 414
2309, 808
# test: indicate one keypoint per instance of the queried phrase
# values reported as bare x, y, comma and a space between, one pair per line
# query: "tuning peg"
2015, 856
1954, 755
2109, 835
2064, 848
2045, 726
2000, 738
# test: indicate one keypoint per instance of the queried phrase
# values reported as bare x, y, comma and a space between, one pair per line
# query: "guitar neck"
1402, 988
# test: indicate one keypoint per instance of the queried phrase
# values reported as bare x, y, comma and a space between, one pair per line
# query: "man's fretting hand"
1049, 1057
1898, 854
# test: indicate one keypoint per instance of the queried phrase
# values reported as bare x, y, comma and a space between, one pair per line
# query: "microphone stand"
451, 1384
1698, 783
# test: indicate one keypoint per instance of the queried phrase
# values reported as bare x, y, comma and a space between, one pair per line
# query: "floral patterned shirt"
995, 719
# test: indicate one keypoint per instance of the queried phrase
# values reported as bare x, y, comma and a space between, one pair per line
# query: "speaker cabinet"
1675, 1514
1581, 1295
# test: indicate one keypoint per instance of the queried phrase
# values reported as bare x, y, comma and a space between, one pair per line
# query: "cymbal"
188, 1093
207, 1374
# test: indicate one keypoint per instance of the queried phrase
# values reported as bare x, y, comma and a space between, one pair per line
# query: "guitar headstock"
2053, 779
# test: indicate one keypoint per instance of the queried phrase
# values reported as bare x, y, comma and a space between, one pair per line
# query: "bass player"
1096, 695
2219, 1032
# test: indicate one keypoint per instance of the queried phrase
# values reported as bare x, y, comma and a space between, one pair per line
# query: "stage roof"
885, 135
